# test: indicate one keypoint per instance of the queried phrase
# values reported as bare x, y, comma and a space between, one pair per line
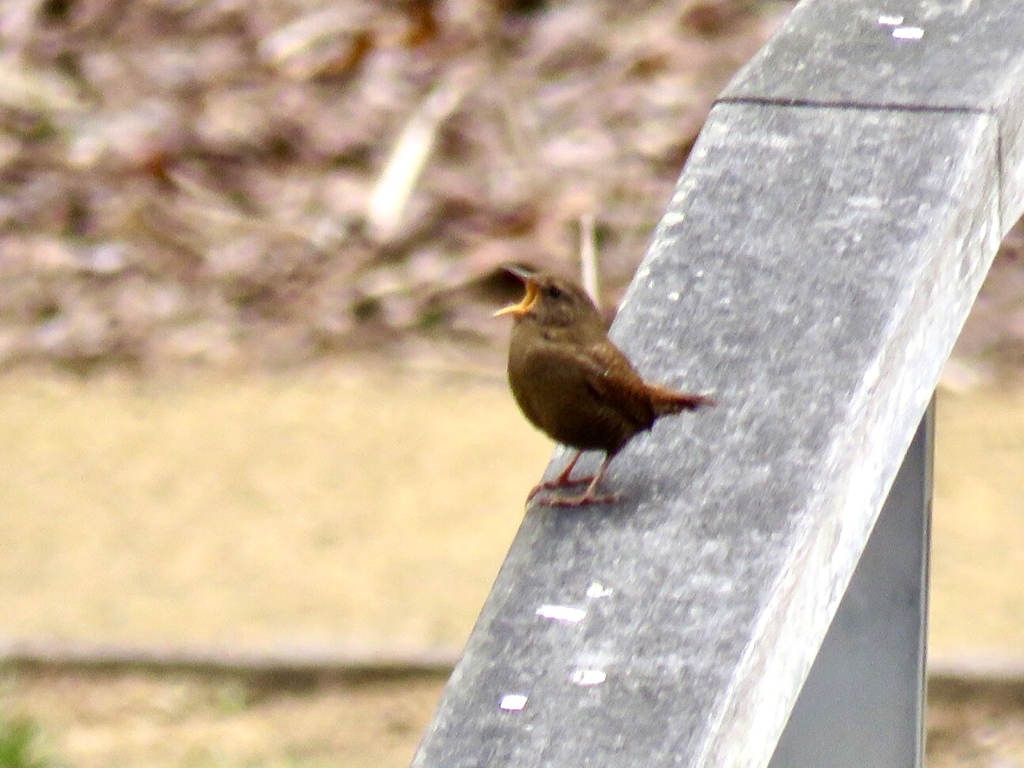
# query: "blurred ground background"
249, 395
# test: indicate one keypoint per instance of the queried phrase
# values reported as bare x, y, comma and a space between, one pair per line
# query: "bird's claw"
583, 500
552, 485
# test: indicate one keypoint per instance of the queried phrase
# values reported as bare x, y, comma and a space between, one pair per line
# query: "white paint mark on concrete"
562, 613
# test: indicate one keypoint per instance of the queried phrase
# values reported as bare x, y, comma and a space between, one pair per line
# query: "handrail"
823, 247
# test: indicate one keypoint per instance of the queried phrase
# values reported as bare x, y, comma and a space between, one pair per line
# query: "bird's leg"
588, 497
562, 481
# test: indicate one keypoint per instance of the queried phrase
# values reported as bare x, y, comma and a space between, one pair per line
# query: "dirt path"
347, 507
977, 599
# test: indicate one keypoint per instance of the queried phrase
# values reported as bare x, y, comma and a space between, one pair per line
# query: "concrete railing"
822, 250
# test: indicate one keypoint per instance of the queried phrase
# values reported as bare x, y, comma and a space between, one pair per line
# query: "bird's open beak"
524, 306
532, 292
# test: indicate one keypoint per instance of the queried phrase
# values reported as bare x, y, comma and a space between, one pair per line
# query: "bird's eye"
554, 291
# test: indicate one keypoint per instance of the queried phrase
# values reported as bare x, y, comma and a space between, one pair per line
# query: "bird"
575, 385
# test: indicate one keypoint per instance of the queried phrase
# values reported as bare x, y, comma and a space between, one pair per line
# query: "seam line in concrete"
866, 106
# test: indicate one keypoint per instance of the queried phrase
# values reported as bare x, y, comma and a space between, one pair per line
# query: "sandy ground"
356, 507
350, 506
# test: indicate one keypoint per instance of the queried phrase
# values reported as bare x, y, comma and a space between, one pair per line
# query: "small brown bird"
574, 384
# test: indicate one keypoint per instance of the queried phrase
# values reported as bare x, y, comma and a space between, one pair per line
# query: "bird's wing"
612, 379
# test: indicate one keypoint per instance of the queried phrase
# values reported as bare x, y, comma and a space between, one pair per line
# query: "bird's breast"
550, 385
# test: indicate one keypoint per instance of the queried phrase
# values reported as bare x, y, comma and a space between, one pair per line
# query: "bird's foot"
583, 500
558, 482
564, 480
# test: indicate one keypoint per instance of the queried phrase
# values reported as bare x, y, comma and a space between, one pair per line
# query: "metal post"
863, 702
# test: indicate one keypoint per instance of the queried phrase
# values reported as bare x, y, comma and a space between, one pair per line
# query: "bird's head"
551, 301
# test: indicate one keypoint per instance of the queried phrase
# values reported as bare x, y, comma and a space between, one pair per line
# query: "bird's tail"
667, 401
